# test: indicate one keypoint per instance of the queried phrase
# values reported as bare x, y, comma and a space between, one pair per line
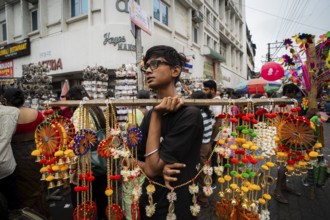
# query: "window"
195, 30
161, 11
208, 41
34, 20
79, 7
223, 49
3, 30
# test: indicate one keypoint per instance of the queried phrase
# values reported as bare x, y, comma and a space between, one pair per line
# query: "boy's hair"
170, 54
210, 84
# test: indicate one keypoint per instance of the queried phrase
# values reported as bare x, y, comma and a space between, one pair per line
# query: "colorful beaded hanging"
84, 140
109, 148
51, 139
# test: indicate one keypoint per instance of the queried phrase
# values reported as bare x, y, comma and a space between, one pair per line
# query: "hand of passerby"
169, 170
169, 104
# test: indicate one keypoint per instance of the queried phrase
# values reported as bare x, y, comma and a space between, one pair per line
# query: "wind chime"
109, 149
52, 137
298, 148
84, 140
131, 172
244, 162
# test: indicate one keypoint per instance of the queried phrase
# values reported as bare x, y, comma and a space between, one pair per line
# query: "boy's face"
159, 73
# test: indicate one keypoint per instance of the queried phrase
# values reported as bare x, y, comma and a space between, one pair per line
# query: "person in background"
206, 146
289, 91
127, 187
97, 124
210, 90
171, 133
30, 190
8, 117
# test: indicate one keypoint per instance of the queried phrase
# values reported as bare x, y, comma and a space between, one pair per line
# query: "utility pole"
276, 47
138, 46
268, 54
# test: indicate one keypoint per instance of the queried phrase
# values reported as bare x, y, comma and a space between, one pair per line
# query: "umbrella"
258, 86
242, 88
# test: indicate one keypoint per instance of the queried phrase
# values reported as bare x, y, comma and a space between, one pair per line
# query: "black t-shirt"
181, 134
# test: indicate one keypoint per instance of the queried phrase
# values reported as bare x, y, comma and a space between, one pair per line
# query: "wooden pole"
189, 102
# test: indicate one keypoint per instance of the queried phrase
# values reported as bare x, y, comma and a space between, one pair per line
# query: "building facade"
70, 35
250, 54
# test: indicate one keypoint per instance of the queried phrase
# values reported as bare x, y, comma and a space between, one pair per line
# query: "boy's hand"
169, 170
169, 104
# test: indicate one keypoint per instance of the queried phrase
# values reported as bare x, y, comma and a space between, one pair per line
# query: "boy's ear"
176, 71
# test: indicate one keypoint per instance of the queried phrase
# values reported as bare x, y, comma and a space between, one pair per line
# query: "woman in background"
30, 190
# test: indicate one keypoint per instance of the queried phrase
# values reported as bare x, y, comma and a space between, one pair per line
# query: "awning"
213, 54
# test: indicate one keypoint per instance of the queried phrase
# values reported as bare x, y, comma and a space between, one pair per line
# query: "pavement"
313, 204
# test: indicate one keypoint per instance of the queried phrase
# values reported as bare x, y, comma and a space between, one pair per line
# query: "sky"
274, 20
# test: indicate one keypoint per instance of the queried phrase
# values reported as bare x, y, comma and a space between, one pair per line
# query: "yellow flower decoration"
221, 180
262, 201
254, 147
270, 164
36, 153
245, 146
313, 154
244, 189
290, 168
59, 153
108, 192
227, 178
264, 167
233, 147
317, 145
50, 178
151, 188
43, 169
267, 196
221, 142
233, 186
55, 168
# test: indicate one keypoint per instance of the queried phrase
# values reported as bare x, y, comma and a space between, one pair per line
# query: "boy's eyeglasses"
154, 64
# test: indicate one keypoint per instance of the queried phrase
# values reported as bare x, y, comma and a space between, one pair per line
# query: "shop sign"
139, 17
15, 50
122, 5
7, 69
113, 40
53, 64
118, 41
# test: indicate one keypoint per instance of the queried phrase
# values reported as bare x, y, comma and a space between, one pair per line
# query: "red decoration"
272, 71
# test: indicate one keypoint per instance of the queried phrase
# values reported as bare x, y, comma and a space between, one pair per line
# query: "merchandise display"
96, 81
36, 84
125, 88
244, 179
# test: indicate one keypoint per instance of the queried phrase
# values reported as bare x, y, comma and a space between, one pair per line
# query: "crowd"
175, 140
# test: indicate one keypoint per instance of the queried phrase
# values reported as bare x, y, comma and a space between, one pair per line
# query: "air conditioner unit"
197, 16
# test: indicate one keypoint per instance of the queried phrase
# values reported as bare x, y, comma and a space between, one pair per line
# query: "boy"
172, 133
